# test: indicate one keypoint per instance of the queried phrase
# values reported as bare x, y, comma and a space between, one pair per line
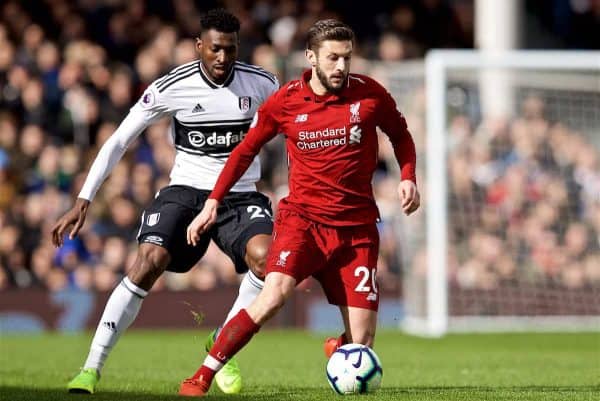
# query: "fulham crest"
153, 219
244, 102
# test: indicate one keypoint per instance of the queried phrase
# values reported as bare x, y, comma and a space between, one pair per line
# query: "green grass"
290, 365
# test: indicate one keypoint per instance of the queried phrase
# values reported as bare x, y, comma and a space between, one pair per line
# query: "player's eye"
228, 49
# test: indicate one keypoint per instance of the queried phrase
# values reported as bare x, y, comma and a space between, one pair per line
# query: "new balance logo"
300, 118
355, 134
198, 109
110, 325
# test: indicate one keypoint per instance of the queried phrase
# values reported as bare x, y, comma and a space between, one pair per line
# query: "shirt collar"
310, 95
210, 82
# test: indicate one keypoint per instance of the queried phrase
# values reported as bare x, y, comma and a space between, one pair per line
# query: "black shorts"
240, 216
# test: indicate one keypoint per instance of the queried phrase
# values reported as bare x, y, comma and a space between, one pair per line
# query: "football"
354, 369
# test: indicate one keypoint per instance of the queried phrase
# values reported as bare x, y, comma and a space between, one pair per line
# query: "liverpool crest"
355, 112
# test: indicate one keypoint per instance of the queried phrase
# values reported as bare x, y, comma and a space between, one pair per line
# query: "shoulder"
365, 83
287, 91
292, 88
176, 76
256, 73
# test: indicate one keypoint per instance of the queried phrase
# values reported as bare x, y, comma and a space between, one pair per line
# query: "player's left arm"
393, 123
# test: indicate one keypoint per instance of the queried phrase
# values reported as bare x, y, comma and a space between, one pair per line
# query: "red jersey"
331, 142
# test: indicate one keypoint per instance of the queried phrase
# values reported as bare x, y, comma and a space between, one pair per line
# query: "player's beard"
326, 83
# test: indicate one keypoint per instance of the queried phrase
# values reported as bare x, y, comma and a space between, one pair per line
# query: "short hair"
220, 20
327, 29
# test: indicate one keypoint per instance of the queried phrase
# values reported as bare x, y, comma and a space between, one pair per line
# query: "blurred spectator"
392, 48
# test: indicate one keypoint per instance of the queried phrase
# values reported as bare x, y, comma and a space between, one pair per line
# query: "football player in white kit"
211, 103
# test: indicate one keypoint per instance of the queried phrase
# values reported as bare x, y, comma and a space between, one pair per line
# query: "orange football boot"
193, 387
330, 345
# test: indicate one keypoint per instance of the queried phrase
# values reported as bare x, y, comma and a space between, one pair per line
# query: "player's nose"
340, 65
221, 56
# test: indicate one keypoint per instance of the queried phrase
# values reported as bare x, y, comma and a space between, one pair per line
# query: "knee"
278, 288
154, 258
256, 259
269, 302
150, 263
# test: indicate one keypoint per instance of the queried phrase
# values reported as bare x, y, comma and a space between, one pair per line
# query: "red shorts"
342, 259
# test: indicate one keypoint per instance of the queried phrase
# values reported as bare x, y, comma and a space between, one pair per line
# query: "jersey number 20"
364, 281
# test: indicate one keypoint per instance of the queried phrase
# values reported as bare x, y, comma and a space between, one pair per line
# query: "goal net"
510, 233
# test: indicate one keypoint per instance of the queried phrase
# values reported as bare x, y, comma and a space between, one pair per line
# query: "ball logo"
196, 139
359, 361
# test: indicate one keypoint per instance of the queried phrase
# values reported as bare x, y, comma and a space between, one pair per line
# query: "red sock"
204, 374
342, 340
234, 335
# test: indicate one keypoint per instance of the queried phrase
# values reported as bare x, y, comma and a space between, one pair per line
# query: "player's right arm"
263, 128
149, 108
393, 123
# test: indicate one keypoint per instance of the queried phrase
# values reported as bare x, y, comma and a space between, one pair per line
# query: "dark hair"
327, 29
220, 20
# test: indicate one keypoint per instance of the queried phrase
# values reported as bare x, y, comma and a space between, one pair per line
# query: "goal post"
571, 87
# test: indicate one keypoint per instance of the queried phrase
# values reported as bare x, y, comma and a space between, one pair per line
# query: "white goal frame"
437, 63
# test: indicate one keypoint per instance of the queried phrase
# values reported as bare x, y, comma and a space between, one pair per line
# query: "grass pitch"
289, 365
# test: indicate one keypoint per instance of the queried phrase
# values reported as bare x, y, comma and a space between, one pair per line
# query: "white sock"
120, 311
249, 289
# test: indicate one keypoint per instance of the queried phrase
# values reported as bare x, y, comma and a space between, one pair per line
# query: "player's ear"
199, 45
311, 57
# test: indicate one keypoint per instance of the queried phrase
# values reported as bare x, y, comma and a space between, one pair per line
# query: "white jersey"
208, 121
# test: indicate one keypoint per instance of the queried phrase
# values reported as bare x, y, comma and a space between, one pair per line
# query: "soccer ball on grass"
354, 369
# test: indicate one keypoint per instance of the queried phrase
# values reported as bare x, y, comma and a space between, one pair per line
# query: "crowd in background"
70, 71
524, 202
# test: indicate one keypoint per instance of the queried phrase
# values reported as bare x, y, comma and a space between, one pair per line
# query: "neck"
216, 81
316, 85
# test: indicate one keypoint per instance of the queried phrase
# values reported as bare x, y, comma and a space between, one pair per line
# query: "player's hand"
75, 217
409, 196
202, 222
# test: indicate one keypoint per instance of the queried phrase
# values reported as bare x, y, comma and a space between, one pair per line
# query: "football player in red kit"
325, 227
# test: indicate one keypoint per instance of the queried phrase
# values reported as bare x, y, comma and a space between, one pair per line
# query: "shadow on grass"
12, 393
